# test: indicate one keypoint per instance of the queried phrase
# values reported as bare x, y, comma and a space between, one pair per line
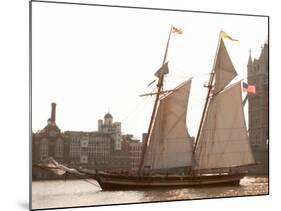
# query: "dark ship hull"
129, 182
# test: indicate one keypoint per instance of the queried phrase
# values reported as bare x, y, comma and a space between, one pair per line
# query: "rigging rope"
138, 106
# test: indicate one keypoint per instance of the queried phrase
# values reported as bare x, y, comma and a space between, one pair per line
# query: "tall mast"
160, 86
210, 87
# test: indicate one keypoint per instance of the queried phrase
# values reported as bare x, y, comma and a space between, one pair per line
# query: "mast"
210, 87
160, 86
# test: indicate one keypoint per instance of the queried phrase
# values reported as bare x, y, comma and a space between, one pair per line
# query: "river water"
71, 193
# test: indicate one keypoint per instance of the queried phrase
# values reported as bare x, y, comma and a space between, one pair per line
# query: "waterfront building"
105, 149
102, 149
49, 142
133, 147
89, 149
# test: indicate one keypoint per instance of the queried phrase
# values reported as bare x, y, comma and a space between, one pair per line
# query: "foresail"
224, 69
169, 145
224, 141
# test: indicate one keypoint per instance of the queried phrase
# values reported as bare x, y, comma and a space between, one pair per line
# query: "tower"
114, 128
258, 106
108, 119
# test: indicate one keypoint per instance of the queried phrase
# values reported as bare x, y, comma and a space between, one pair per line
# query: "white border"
14, 105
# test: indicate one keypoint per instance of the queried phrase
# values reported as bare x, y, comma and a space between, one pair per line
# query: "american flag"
249, 88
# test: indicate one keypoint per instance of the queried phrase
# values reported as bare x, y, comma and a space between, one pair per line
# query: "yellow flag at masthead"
225, 35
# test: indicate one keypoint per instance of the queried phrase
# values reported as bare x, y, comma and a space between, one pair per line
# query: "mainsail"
170, 145
224, 141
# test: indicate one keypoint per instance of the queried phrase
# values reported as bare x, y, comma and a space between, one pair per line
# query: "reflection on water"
70, 193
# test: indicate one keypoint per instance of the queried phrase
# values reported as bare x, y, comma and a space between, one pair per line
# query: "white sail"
224, 141
169, 145
224, 69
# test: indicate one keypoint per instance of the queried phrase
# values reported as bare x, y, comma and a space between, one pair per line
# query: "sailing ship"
170, 156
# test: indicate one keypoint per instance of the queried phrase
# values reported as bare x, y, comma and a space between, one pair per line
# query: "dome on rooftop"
107, 116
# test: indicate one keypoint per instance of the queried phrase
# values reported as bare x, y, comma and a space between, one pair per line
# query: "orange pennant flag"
176, 30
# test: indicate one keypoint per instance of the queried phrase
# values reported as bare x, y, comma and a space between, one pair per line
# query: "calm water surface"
69, 193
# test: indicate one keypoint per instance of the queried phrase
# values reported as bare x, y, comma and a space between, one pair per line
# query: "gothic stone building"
258, 109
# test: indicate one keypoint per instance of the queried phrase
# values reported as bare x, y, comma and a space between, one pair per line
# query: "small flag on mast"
176, 30
249, 88
162, 71
225, 35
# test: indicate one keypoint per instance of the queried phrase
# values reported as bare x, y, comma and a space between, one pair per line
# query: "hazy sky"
91, 60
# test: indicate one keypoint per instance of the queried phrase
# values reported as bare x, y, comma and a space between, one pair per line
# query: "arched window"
59, 148
44, 149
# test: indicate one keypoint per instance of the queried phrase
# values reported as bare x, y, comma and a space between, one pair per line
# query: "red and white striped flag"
249, 88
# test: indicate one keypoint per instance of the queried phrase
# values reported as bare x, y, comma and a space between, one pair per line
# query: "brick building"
90, 150
133, 147
105, 149
49, 142
100, 150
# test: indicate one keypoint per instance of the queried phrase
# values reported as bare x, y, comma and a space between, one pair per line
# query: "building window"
44, 149
265, 80
84, 143
83, 159
59, 148
53, 133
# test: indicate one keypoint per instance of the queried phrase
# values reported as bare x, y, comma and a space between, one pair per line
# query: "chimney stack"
53, 114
